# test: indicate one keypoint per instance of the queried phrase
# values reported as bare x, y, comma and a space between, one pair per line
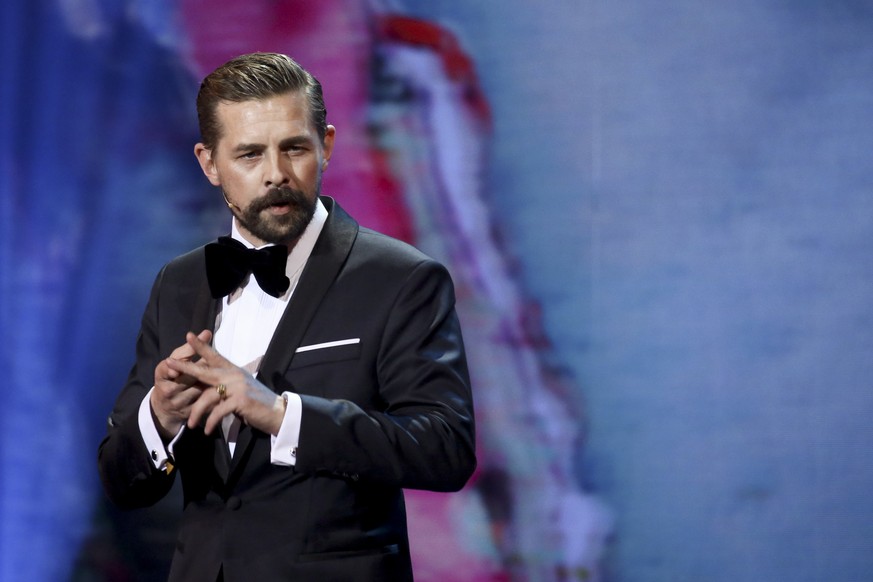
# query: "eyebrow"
296, 140
285, 143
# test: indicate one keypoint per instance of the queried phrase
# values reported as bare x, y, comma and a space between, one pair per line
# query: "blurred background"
658, 216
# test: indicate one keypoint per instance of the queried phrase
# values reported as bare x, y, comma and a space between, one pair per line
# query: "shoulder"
185, 273
384, 252
189, 263
373, 241
381, 266
362, 242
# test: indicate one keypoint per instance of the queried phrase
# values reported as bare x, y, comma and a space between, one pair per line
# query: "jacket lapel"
324, 264
203, 317
205, 309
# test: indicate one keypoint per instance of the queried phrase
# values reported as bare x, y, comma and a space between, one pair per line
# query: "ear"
207, 164
327, 147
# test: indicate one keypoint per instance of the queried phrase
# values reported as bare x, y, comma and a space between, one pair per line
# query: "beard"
278, 229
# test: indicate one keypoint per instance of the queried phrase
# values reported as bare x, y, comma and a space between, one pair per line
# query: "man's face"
268, 163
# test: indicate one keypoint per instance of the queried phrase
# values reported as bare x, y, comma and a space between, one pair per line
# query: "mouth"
279, 209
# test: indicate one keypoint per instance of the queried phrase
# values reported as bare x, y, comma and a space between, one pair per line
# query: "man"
329, 372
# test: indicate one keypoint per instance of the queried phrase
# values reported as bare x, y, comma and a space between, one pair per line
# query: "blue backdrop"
683, 188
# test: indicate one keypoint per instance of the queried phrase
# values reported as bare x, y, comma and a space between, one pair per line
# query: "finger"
206, 351
222, 409
163, 372
170, 381
202, 406
186, 398
185, 351
202, 374
173, 381
173, 411
205, 407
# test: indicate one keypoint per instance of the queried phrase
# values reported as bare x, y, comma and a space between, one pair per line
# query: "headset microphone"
229, 203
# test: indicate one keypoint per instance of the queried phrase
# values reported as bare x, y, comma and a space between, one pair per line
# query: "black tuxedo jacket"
392, 411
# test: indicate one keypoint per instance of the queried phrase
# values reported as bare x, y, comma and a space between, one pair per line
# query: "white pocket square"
345, 342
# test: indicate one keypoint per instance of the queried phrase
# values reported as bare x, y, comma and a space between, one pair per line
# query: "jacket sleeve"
127, 471
423, 436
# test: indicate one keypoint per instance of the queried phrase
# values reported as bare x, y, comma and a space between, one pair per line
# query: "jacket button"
233, 503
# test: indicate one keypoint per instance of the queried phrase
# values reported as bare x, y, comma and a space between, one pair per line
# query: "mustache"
278, 197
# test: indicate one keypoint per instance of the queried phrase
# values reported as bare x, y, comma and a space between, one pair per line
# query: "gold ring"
222, 391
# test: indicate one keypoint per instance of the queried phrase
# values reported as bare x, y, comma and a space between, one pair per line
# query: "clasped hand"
186, 391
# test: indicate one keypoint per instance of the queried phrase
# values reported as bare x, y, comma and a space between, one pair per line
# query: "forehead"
260, 119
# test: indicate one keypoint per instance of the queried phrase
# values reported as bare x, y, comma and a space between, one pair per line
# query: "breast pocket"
327, 352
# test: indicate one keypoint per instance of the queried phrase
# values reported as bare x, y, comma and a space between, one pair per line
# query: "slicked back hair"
251, 77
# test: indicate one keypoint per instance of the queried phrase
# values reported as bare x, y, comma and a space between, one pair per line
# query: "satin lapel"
325, 263
203, 317
205, 310
209, 312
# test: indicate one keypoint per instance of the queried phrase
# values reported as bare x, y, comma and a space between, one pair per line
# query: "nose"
276, 172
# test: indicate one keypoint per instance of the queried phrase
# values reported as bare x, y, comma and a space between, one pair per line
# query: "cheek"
309, 174
237, 181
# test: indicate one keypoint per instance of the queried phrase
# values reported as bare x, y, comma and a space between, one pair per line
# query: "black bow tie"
228, 262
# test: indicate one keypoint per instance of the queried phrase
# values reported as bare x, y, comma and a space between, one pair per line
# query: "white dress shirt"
244, 328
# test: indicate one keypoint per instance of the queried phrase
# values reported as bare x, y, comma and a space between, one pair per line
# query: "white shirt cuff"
283, 446
152, 439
